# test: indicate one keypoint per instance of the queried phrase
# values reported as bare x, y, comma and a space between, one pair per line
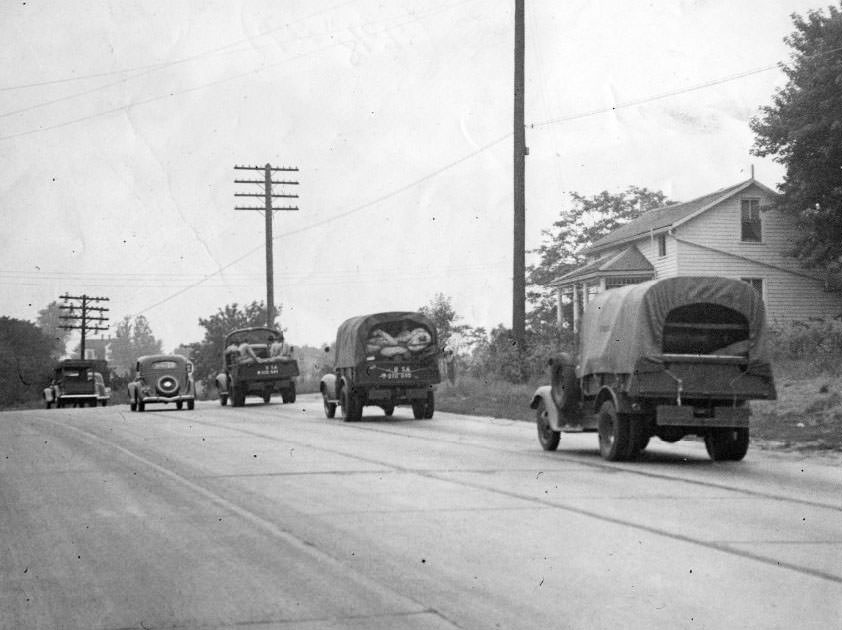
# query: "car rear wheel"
548, 438
223, 399
190, 405
179, 405
141, 406
614, 433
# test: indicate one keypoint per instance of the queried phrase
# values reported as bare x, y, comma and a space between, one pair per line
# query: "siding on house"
707, 240
719, 228
711, 244
665, 266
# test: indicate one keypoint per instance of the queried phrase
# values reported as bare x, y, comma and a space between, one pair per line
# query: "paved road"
275, 517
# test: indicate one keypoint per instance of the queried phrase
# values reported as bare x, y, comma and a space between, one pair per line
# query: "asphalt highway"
272, 516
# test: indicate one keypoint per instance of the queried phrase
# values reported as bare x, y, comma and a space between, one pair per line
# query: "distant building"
98, 349
735, 233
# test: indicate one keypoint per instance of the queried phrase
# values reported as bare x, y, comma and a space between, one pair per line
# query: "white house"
735, 232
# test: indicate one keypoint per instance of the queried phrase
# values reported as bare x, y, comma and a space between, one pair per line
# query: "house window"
756, 284
662, 245
750, 220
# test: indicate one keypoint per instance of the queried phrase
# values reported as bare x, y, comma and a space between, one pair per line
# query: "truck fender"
621, 403
328, 386
544, 393
222, 383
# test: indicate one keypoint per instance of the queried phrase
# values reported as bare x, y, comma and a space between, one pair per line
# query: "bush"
816, 346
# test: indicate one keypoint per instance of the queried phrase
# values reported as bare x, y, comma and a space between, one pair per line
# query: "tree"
586, 221
50, 322
25, 361
441, 312
133, 338
206, 355
802, 130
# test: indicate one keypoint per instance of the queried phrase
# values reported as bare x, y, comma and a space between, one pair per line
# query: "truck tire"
330, 407
352, 409
430, 406
267, 397
190, 405
223, 399
639, 434
388, 410
546, 436
288, 394
614, 433
103, 403
179, 405
419, 408
724, 445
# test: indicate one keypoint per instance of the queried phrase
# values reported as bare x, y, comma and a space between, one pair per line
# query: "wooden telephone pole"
268, 209
84, 321
520, 153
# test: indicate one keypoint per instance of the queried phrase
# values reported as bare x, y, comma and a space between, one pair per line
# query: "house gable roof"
658, 219
629, 260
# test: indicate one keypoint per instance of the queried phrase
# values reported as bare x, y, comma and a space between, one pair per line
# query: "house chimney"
752, 171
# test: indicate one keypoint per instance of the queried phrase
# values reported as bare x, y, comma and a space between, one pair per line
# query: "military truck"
249, 370
384, 360
78, 382
666, 358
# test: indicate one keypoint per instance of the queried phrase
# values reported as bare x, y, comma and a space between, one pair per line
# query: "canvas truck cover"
357, 336
625, 324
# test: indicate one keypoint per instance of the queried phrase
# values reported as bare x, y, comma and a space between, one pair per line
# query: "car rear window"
164, 365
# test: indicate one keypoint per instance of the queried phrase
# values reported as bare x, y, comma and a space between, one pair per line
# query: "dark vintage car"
78, 382
249, 369
162, 378
383, 359
666, 358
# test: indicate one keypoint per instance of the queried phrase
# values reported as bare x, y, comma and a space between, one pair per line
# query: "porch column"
575, 308
559, 302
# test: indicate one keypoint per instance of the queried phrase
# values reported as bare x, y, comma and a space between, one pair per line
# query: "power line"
144, 69
203, 86
336, 217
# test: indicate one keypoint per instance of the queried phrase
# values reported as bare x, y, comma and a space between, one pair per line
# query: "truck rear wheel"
614, 433
330, 407
419, 408
548, 438
352, 409
430, 407
725, 445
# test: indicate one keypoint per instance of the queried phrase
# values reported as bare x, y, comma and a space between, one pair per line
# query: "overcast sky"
121, 122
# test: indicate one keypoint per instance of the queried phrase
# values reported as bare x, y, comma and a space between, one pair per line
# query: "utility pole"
520, 153
267, 182
84, 321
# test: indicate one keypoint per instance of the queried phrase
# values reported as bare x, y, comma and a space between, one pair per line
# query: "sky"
121, 124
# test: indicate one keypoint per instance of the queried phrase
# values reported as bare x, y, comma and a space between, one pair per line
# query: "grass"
807, 416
